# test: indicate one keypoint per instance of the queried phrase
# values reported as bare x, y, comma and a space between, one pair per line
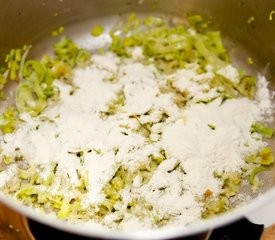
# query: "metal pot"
31, 22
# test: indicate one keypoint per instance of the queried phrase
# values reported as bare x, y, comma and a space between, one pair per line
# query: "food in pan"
158, 129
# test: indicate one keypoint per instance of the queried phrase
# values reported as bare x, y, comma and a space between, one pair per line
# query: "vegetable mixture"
158, 129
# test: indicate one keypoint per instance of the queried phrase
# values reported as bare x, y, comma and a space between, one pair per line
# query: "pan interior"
79, 21
79, 31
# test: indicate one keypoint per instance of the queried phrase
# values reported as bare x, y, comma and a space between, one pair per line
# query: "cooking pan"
248, 30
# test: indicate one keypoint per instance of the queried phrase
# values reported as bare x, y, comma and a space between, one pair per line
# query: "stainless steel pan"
31, 22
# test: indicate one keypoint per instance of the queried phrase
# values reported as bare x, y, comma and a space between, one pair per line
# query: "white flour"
194, 150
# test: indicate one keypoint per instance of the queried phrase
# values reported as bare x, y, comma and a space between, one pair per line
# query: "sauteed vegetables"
157, 129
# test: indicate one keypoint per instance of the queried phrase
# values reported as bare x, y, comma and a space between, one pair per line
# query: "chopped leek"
124, 177
153, 21
199, 23
115, 105
58, 31
32, 95
263, 157
132, 23
171, 47
253, 179
260, 128
97, 31
249, 61
68, 52
7, 160
247, 86
13, 60
65, 209
27, 102
226, 84
202, 43
3, 82
7, 120
266, 156
251, 20
271, 15
231, 183
213, 206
